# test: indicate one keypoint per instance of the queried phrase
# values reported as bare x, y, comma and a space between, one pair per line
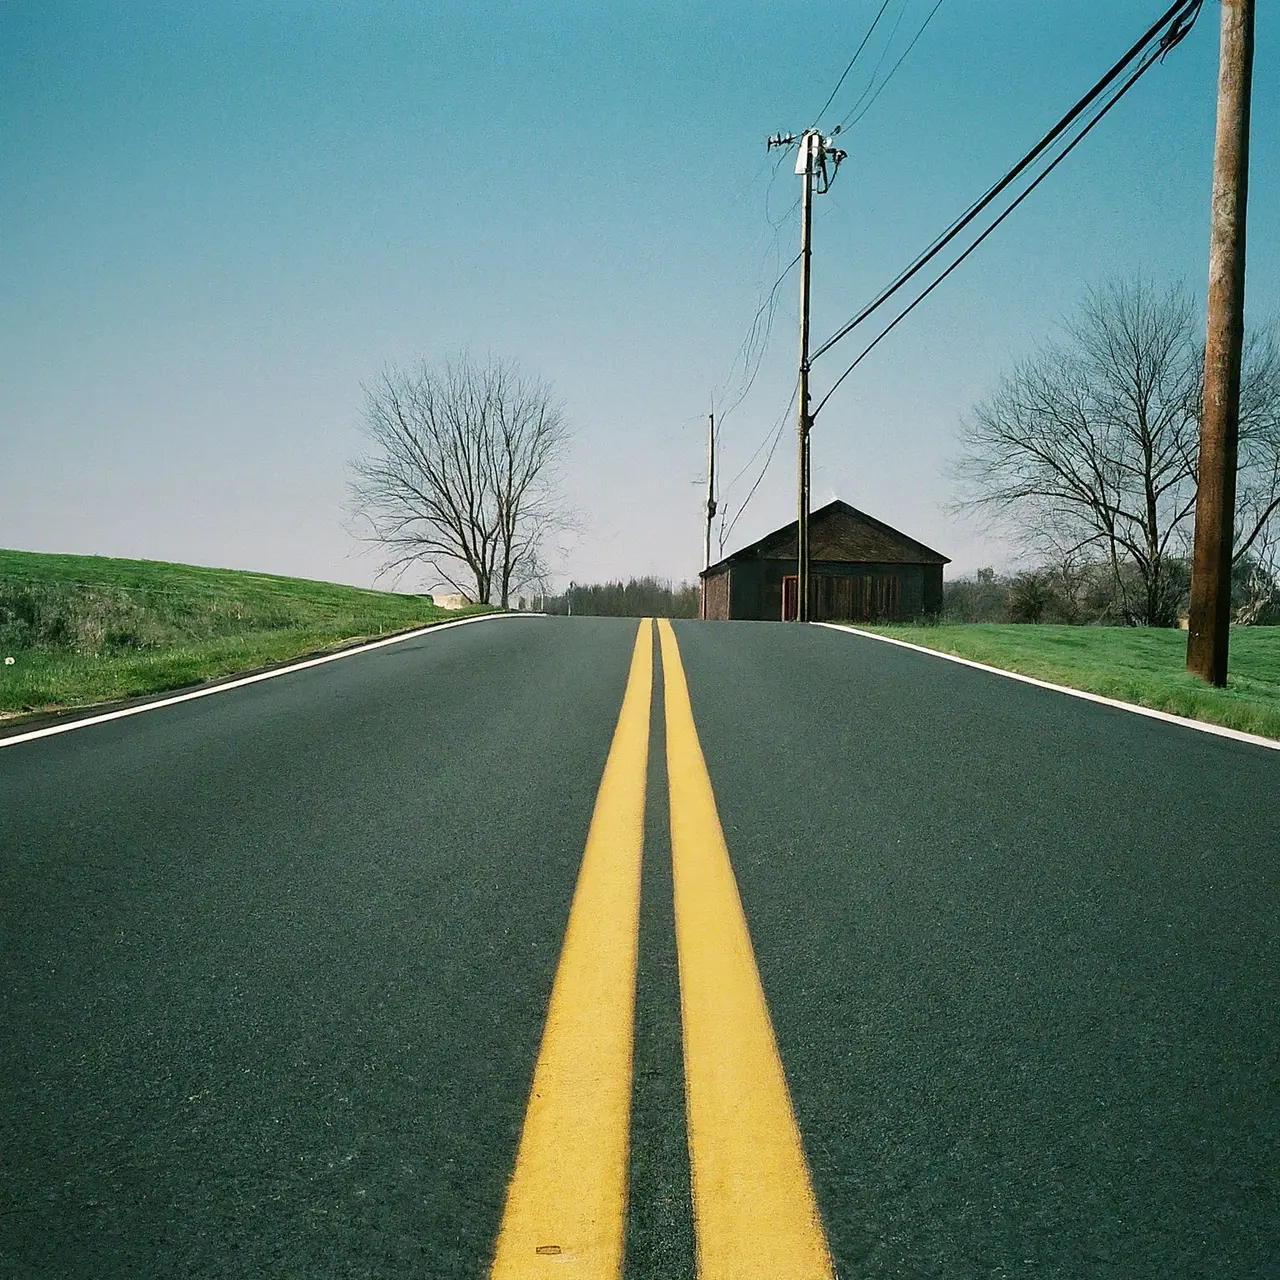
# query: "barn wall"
912, 590
874, 592
744, 599
770, 596
764, 600
716, 596
752, 589
932, 585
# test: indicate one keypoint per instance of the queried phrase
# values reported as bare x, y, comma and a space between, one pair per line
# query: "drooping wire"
850, 120
1174, 24
776, 223
755, 345
753, 342
844, 74
771, 439
768, 435
774, 435
1128, 84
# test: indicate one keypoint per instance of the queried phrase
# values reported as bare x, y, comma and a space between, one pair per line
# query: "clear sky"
216, 221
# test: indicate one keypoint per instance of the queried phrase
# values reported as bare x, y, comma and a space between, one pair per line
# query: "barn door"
790, 596
878, 598
833, 598
846, 598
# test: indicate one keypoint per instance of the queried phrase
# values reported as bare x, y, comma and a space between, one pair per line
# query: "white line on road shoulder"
1218, 730
190, 696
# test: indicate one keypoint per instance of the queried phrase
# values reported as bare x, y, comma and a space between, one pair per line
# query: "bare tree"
1256, 556
463, 475
1088, 449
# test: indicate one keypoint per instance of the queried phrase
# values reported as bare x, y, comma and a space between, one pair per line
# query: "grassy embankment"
87, 629
1143, 665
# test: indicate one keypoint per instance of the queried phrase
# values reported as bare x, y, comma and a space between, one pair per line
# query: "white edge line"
1202, 726
50, 730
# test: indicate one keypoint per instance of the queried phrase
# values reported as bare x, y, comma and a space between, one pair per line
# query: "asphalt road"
276, 967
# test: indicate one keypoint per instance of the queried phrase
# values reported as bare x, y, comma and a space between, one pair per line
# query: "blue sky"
218, 220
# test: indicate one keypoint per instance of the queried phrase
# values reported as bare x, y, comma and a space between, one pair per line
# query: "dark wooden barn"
860, 570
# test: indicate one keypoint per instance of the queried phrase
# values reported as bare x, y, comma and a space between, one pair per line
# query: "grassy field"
83, 630
1142, 665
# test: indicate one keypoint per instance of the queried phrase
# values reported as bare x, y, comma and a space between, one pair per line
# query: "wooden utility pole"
1210, 612
711, 504
809, 142
820, 155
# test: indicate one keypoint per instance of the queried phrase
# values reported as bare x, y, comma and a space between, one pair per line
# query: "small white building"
451, 600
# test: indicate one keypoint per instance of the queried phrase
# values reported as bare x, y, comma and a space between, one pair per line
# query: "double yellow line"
754, 1209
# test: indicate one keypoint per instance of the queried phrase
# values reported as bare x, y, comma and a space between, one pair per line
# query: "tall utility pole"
811, 164
1210, 611
711, 503
804, 167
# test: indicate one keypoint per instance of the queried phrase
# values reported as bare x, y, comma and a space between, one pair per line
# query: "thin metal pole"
1210, 611
807, 141
711, 503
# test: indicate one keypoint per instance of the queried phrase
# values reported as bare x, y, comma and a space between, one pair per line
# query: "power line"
746, 466
1172, 26
831, 97
817, 164
777, 430
774, 436
749, 343
1142, 69
875, 71
753, 343
848, 123
776, 223
752, 350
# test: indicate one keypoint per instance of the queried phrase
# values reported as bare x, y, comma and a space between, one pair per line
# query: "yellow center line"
756, 1216
566, 1204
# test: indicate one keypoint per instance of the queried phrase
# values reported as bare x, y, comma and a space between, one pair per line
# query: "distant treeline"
635, 598
1081, 595
1097, 594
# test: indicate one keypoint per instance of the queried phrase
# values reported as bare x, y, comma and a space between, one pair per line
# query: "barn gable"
839, 532
861, 568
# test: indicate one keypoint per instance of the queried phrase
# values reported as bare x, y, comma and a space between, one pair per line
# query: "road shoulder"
1203, 726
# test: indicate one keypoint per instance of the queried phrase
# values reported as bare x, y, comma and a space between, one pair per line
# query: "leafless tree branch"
1090, 446
463, 474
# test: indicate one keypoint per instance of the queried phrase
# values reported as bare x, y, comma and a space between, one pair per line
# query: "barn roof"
842, 533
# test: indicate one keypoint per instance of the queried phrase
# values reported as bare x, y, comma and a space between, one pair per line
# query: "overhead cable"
831, 98
773, 448
850, 120
875, 71
1172, 26
1143, 67
749, 343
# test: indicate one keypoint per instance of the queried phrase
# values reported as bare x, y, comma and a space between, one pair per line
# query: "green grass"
84, 630
1142, 665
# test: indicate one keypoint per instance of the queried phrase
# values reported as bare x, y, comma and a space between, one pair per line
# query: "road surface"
976, 979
